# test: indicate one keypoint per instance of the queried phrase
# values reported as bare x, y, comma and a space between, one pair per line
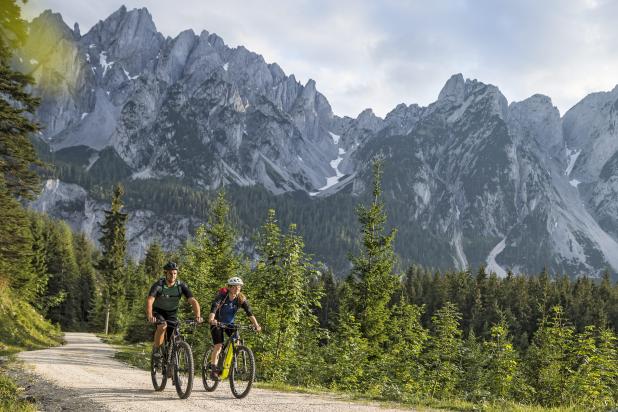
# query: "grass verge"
138, 355
21, 328
10, 399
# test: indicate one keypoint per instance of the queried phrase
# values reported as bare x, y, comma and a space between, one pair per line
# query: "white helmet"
235, 281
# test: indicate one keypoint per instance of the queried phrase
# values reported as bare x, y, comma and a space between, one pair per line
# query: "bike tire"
183, 369
242, 372
158, 373
209, 383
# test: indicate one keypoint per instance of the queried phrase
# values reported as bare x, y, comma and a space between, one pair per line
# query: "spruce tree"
501, 362
548, 362
281, 293
372, 270
443, 355
154, 261
38, 265
17, 154
222, 239
112, 262
61, 294
86, 281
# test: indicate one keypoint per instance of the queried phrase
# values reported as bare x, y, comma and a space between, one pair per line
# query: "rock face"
187, 107
468, 180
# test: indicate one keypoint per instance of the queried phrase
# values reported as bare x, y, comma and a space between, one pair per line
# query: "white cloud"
378, 54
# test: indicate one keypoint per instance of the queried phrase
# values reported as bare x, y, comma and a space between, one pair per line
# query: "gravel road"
85, 368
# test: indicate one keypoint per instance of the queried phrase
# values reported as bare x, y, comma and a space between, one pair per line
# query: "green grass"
9, 396
138, 355
22, 327
134, 354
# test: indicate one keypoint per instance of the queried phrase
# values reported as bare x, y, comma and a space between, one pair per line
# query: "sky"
377, 54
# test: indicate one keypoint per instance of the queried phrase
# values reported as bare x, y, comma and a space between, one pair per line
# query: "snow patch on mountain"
572, 156
335, 137
103, 62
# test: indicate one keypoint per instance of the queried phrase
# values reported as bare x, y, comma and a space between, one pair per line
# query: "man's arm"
149, 302
196, 308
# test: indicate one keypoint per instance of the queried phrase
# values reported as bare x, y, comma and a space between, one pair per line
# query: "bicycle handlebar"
234, 326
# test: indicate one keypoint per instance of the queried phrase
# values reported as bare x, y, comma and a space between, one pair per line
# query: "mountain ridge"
495, 183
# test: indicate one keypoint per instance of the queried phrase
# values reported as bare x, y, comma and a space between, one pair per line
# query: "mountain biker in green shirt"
162, 303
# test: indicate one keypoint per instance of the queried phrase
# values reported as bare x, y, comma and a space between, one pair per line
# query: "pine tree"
112, 262
593, 368
61, 295
38, 265
154, 261
15, 244
501, 362
17, 155
548, 362
282, 296
222, 238
407, 341
346, 355
443, 355
372, 269
86, 287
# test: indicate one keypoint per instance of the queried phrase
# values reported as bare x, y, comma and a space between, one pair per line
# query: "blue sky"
377, 54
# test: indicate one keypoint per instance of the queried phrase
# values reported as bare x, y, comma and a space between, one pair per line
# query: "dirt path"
86, 370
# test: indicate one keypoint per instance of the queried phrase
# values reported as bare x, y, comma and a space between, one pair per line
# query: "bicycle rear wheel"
209, 383
157, 372
183, 369
242, 372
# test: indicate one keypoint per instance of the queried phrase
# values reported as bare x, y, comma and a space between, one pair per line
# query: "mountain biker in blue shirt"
163, 300
223, 310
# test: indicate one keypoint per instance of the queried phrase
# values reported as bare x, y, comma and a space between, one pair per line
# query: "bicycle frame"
229, 356
230, 349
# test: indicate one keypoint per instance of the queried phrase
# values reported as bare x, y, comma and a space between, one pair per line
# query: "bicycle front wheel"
158, 373
183, 369
210, 384
242, 372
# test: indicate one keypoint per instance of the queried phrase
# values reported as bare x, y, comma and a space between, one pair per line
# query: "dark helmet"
170, 266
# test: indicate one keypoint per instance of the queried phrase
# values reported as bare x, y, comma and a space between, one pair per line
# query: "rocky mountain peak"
454, 89
537, 118
368, 120
49, 27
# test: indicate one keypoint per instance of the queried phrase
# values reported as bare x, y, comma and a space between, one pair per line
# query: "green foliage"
61, 297
346, 356
283, 297
548, 359
442, 357
372, 270
594, 368
22, 327
501, 362
17, 154
16, 244
112, 262
154, 261
9, 397
407, 340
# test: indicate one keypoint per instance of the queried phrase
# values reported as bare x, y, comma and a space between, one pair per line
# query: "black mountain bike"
235, 360
176, 361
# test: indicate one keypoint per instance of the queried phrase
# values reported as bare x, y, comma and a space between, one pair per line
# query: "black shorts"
217, 333
163, 315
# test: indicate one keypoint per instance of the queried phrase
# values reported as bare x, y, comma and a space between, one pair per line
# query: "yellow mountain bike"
236, 361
